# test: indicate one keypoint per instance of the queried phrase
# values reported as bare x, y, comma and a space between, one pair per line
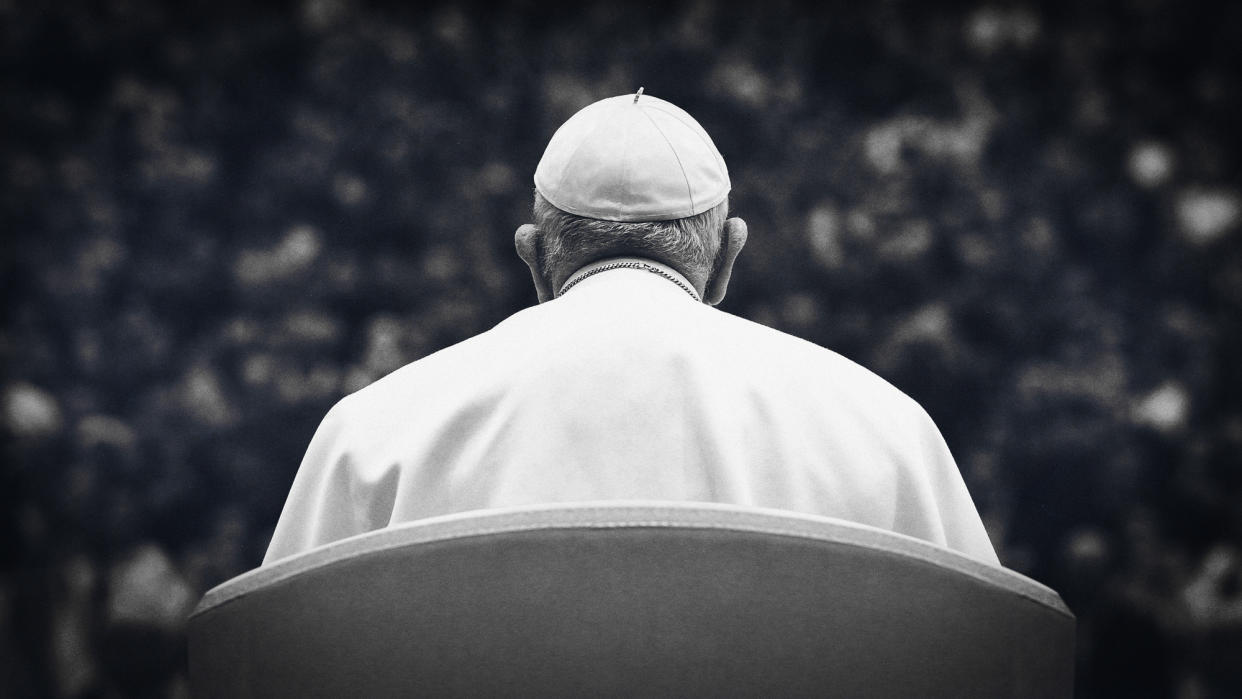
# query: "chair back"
631, 600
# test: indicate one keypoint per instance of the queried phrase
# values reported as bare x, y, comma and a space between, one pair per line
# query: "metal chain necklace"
629, 265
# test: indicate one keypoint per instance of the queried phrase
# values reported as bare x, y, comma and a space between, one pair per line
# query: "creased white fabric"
625, 388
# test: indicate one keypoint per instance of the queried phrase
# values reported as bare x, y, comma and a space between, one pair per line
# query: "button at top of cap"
632, 158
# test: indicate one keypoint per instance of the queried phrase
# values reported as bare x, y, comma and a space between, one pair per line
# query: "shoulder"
447, 368
798, 354
770, 359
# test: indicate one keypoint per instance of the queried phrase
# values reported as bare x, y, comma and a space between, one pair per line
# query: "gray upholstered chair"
631, 600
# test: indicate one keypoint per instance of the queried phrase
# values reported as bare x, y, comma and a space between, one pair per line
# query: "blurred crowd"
220, 218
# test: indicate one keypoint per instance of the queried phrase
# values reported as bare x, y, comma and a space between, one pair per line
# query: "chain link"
629, 265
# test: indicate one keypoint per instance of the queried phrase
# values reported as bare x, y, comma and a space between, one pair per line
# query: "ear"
732, 238
527, 240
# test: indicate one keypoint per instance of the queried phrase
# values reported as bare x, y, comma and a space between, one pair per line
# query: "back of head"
691, 243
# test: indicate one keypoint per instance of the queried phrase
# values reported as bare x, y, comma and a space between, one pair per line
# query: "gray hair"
693, 241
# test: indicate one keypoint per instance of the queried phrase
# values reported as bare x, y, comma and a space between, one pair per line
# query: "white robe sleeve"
953, 520
330, 500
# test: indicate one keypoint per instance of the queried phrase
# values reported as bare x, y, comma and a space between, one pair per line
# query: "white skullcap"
632, 158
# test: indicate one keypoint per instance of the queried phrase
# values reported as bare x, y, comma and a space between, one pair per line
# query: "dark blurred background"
218, 219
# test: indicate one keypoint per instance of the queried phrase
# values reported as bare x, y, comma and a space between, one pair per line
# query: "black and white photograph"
621, 349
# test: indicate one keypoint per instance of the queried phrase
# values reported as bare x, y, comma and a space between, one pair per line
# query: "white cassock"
626, 388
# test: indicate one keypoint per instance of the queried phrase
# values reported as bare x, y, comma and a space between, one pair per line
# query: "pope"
624, 382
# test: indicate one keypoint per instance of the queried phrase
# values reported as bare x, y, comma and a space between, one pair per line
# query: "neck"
631, 262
